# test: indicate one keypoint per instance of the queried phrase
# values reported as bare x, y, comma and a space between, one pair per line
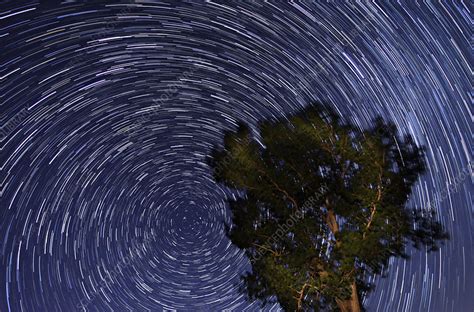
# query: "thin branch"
377, 201
279, 188
275, 253
301, 296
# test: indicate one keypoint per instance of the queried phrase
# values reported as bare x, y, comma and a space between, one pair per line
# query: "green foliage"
357, 221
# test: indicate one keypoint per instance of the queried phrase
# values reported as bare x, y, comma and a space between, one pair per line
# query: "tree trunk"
352, 304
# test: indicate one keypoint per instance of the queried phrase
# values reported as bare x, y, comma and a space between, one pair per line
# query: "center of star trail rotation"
108, 111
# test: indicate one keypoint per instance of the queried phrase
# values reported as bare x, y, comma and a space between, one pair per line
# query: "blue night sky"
109, 109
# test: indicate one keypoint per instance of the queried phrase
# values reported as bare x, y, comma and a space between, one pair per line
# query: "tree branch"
275, 253
377, 201
301, 296
279, 188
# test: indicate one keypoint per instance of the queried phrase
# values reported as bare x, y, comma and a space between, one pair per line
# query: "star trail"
108, 111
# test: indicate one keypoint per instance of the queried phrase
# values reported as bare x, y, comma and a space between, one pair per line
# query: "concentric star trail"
108, 111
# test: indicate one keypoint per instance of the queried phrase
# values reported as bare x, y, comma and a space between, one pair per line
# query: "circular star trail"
108, 111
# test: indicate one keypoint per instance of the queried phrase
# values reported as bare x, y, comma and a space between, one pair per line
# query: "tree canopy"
325, 206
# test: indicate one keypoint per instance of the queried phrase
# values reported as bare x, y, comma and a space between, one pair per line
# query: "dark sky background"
108, 110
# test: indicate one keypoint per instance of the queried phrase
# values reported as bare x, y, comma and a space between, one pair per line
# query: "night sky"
108, 111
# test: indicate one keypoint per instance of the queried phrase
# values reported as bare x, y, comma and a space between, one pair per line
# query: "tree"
324, 206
